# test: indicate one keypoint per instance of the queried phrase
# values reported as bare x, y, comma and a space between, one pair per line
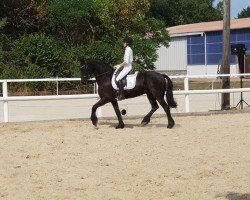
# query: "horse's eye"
83, 66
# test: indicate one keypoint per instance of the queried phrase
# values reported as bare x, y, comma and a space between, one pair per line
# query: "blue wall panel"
214, 37
196, 46
196, 59
214, 48
196, 50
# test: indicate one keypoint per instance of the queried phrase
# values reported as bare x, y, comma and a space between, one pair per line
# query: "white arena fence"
5, 98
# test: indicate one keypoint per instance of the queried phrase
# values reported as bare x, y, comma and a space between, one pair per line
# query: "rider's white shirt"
128, 56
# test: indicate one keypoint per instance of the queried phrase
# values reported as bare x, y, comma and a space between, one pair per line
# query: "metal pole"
205, 51
241, 94
186, 87
5, 102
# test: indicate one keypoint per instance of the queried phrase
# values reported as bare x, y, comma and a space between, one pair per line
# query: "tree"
122, 17
130, 17
244, 13
2, 24
48, 37
73, 21
176, 12
23, 16
98, 23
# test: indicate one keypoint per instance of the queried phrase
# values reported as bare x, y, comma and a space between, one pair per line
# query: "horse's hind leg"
167, 110
154, 107
118, 114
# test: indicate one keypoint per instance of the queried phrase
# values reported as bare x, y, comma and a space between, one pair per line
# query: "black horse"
149, 82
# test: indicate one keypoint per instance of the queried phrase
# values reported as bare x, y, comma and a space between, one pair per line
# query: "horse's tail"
169, 93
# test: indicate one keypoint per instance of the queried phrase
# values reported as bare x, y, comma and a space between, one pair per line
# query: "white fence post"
5, 102
186, 88
57, 86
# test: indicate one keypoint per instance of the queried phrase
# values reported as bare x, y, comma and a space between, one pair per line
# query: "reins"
102, 74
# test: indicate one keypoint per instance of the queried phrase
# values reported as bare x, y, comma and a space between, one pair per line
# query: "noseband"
85, 66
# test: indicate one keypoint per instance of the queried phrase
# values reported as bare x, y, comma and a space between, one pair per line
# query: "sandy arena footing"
202, 157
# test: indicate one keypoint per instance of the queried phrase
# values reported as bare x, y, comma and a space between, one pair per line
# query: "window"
214, 48
196, 47
196, 50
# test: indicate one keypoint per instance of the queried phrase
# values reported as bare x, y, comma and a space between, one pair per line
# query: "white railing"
187, 92
5, 98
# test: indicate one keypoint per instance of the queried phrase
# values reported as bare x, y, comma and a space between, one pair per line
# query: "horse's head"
85, 71
94, 68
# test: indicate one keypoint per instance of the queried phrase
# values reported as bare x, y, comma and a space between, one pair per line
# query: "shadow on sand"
235, 196
129, 125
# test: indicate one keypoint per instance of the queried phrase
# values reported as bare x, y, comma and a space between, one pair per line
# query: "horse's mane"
104, 67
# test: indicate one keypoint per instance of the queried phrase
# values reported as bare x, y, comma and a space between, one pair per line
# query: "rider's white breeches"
124, 72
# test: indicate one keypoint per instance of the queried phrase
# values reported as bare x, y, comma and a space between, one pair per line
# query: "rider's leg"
120, 76
120, 91
123, 73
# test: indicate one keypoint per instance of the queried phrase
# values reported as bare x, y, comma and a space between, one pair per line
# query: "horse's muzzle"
84, 80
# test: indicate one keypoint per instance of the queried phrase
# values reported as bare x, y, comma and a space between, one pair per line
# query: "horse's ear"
82, 61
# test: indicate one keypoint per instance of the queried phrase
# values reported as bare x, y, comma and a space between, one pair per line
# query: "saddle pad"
131, 80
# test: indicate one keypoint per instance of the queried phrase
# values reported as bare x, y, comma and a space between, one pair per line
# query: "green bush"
34, 71
109, 52
37, 56
8, 72
39, 52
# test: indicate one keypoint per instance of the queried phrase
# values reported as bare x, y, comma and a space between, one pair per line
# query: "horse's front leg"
100, 103
118, 114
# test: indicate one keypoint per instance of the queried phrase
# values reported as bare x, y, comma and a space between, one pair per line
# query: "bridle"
85, 66
88, 76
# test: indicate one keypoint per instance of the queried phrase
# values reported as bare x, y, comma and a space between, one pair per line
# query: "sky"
237, 6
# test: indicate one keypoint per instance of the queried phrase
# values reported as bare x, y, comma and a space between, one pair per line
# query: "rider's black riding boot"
121, 91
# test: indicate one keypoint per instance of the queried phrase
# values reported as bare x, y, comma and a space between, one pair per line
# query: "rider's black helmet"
128, 40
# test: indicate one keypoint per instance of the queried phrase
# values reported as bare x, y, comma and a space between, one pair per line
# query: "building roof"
208, 26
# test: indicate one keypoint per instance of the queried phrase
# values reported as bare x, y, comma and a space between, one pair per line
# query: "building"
197, 48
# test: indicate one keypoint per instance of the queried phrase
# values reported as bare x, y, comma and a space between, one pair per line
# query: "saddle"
128, 81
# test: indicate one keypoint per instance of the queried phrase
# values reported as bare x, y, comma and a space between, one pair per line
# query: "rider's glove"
116, 66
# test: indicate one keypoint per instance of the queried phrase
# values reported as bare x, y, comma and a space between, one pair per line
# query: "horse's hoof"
94, 121
171, 124
144, 123
120, 126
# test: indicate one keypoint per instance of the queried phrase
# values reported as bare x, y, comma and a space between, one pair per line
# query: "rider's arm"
126, 58
123, 64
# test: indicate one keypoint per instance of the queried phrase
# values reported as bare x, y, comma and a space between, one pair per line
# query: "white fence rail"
6, 98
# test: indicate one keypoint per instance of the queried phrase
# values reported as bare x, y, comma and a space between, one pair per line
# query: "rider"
126, 64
